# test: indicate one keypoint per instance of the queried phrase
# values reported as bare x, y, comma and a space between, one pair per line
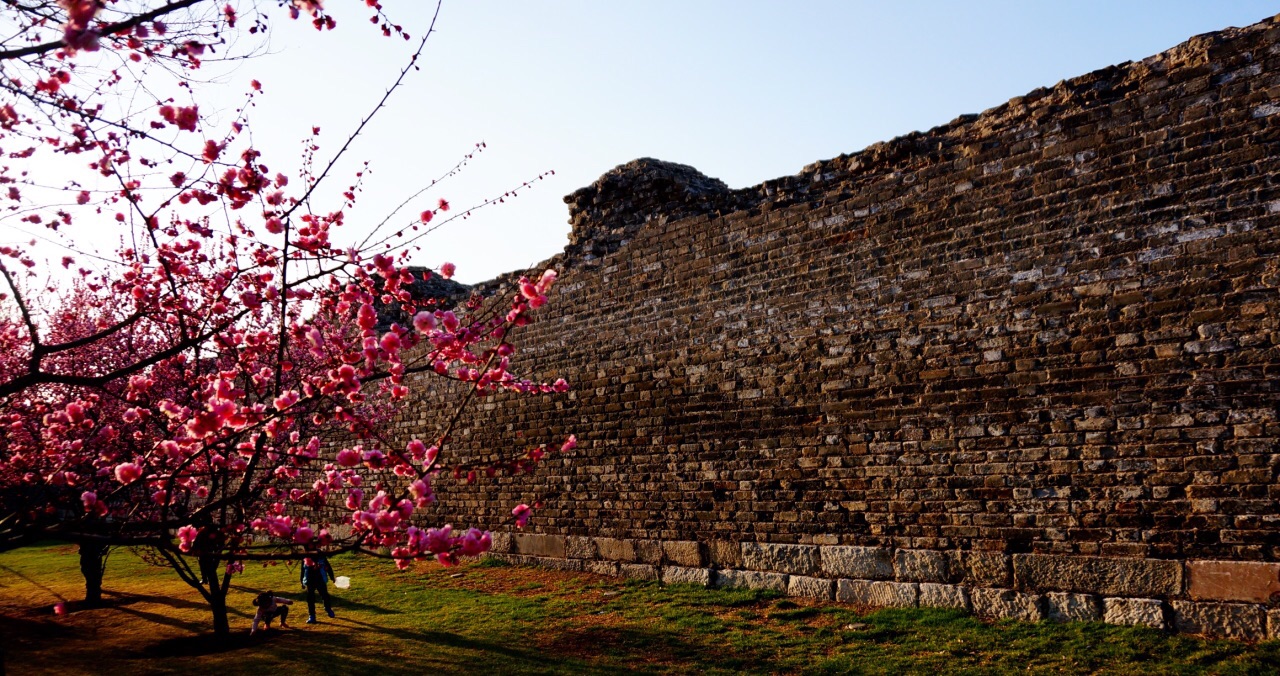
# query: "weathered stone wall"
1024, 363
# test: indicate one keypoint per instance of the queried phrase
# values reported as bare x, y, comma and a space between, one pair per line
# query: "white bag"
342, 582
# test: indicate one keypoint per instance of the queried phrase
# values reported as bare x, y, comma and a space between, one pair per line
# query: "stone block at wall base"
687, 554
980, 569
501, 543
612, 549
790, 559
750, 579
1273, 623
919, 565
534, 544
578, 547
1072, 607
1134, 612
1231, 620
858, 563
1253, 581
724, 554
638, 571
648, 551
682, 575
811, 587
609, 568
878, 594
1006, 603
1098, 575
943, 596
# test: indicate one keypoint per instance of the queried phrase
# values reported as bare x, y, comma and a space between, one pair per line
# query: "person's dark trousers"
321, 586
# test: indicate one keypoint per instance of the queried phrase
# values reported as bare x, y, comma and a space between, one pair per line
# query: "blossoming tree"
189, 390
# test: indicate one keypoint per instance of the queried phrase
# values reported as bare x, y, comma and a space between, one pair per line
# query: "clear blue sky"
744, 91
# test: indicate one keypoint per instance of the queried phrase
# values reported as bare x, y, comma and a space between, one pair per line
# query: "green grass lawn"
488, 618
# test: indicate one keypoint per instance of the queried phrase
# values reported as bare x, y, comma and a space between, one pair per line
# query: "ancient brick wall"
975, 358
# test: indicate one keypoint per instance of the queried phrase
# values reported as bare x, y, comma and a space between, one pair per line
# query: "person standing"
316, 573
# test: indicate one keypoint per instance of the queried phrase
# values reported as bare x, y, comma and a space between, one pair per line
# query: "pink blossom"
438, 540
289, 398
548, 278
420, 489
447, 270
521, 513
303, 535
348, 457
424, 322
475, 543
375, 459
570, 443
89, 498
387, 521
128, 472
60, 608
187, 537
416, 449
449, 320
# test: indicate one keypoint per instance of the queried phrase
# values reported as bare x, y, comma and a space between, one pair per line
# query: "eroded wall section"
1025, 362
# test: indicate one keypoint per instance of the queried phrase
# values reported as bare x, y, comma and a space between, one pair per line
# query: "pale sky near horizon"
742, 90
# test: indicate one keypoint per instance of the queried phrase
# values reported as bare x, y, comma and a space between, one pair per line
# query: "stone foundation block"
943, 596
1233, 580
687, 554
532, 544
750, 579
649, 551
681, 575
919, 565
724, 554
1072, 607
1134, 612
1002, 603
878, 594
638, 571
578, 547
812, 587
501, 543
1243, 621
790, 559
1273, 624
611, 549
980, 569
1098, 575
609, 568
858, 563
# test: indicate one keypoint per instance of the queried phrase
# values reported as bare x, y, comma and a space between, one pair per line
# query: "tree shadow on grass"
157, 618
121, 599
641, 649
439, 638
342, 652
9, 571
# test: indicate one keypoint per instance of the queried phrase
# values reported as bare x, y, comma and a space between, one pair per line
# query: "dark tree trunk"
93, 557
221, 625
218, 587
